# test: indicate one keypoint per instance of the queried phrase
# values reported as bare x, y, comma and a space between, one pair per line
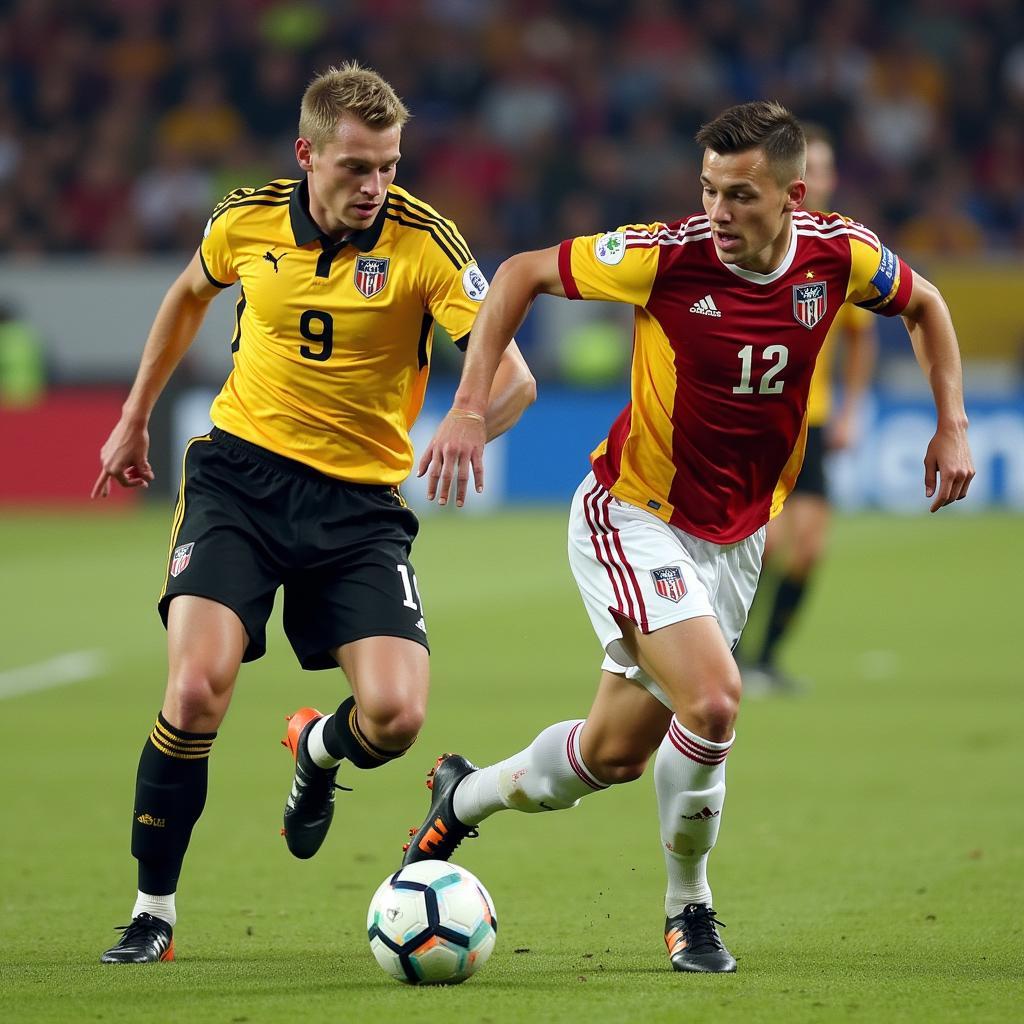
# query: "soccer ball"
431, 923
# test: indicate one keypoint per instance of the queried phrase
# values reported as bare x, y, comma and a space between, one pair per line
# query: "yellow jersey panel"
849, 319
332, 342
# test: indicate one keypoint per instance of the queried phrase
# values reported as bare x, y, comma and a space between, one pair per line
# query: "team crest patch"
610, 248
474, 283
371, 274
180, 559
668, 582
810, 302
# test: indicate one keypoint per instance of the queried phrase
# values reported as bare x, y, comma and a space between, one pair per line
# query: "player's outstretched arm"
948, 467
512, 390
125, 455
458, 444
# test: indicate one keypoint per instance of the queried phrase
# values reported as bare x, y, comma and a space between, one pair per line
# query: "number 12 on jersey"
776, 355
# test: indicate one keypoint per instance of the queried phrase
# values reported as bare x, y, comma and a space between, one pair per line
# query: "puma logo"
271, 258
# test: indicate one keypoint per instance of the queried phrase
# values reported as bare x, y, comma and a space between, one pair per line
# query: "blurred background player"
666, 532
342, 275
797, 537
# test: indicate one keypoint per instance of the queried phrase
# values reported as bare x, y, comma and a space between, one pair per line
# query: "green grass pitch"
870, 866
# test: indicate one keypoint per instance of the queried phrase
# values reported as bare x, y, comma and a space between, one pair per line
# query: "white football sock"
549, 775
689, 778
158, 906
315, 745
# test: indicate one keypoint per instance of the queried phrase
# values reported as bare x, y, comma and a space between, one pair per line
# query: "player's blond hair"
762, 124
350, 89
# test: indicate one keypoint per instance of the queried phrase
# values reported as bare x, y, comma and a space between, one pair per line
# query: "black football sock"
344, 739
170, 793
787, 599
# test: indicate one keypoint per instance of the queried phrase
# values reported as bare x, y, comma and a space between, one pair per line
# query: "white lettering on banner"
886, 470
997, 443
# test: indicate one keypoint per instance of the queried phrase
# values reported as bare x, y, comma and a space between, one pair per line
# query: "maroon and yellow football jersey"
713, 437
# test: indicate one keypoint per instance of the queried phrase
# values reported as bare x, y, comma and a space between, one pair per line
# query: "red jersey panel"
713, 437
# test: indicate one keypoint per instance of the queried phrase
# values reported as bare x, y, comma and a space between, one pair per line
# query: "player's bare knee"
615, 762
614, 774
714, 714
392, 729
196, 700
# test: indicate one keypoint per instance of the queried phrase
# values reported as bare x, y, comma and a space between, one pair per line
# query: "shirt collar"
306, 230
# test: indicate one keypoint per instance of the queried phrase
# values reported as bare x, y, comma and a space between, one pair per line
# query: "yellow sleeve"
215, 248
455, 285
851, 318
879, 280
618, 266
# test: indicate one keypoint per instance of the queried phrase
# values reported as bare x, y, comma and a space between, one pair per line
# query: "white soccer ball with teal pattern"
431, 923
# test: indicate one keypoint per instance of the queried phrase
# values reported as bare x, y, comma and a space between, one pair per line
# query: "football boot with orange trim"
694, 944
147, 940
439, 836
310, 806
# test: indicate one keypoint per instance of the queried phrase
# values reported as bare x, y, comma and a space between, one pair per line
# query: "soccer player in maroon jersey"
666, 533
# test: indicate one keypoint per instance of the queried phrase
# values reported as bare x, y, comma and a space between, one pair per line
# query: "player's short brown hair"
350, 89
761, 124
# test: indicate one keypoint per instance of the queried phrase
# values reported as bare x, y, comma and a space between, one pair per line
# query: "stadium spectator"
537, 83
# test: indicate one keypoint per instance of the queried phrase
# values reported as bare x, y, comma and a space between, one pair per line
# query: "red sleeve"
565, 270
902, 296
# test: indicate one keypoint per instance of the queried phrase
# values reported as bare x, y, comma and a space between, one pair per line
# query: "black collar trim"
306, 230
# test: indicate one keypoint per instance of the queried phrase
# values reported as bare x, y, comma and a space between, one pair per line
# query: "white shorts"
629, 562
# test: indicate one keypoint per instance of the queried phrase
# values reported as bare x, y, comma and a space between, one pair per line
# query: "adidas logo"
706, 307
706, 813
421, 625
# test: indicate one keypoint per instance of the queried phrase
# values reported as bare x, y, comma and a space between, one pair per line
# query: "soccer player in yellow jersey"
342, 275
796, 538
731, 307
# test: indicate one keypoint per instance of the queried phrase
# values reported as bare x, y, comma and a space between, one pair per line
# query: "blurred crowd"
123, 121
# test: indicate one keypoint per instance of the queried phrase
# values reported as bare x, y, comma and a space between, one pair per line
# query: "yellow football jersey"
333, 339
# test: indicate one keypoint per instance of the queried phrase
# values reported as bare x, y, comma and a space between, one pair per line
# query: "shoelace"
700, 923
138, 928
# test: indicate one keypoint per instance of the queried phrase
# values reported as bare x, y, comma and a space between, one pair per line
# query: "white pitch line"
74, 667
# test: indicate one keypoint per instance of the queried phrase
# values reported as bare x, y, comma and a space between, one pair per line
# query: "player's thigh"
205, 645
221, 538
626, 724
371, 594
690, 660
631, 567
355, 580
389, 676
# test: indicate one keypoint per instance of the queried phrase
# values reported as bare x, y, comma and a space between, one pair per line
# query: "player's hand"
457, 446
124, 458
842, 431
948, 464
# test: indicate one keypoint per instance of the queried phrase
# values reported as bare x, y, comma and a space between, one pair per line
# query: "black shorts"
811, 480
249, 521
